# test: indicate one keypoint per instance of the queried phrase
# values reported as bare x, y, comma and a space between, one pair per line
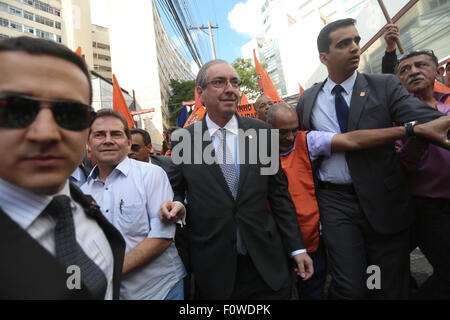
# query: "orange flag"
301, 90
265, 83
79, 52
120, 104
244, 99
196, 114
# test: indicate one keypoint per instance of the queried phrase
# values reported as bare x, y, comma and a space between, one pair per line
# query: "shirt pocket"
133, 220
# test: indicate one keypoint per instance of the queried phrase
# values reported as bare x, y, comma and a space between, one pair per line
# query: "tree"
247, 73
182, 90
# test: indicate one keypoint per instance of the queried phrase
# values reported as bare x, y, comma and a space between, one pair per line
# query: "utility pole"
209, 27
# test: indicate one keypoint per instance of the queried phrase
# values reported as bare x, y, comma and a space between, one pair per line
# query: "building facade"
144, 59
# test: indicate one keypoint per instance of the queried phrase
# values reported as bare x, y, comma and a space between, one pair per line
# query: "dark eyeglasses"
221, 83
19, 111
135, 147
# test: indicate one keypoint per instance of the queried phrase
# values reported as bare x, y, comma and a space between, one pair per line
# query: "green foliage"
247, 73
182, 90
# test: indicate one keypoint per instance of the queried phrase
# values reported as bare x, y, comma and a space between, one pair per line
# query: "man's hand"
305, 267
171, 211
435, 131
391, 35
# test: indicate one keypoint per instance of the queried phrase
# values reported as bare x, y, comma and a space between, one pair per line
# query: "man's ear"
324, 58
199, 93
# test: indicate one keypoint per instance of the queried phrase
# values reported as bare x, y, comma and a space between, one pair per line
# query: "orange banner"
265, 83
120, 104
246, 110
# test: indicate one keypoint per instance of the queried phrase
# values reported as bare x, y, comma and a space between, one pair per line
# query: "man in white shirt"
54, 242
130, 193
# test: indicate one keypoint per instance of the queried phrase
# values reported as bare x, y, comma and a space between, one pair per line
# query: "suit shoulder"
254, 123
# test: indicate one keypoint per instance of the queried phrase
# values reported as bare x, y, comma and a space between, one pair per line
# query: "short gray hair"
202, 79
272, 111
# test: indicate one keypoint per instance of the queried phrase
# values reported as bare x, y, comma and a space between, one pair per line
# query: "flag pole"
388, 19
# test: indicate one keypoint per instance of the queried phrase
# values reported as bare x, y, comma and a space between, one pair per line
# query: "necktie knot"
338, 89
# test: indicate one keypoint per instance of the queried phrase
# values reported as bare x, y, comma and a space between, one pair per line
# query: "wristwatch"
410, 128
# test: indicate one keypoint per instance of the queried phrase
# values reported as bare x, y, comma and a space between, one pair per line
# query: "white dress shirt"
333, 169
25, 208
232, 144
130, 199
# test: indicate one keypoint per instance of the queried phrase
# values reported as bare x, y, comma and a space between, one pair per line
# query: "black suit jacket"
161, 161
377, 102
214, 216
29, 271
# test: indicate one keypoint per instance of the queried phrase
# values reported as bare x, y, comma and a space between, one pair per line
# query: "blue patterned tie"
341, 108
226, 163
69, 252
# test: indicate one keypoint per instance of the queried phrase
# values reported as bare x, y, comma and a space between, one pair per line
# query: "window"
4, 22
15, 11
27, 29
3, 7
3, 36
15, 25
28, 15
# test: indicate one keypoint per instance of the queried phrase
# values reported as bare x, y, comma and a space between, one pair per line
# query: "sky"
237, 22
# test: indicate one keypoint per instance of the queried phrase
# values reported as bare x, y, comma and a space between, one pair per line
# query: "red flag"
196, 114
244, 99
120, 104
301, 90
79, 52
265, 83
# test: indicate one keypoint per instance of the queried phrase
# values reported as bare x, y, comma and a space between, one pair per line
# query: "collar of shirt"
347, 85
123, 167
231, 126
24, 206
288, 152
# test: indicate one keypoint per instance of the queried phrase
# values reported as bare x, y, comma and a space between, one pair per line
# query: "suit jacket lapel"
214, 168
243, 167
359, 98
309, 104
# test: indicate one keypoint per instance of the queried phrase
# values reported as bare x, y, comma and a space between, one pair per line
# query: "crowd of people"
355, 176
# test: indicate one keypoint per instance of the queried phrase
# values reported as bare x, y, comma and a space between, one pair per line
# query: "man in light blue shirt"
130, 193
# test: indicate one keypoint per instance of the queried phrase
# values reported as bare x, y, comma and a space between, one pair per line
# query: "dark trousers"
249, 285
313, 288
431, 232
353, 246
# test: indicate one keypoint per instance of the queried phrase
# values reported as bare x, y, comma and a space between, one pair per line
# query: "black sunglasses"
19, 111
135, 147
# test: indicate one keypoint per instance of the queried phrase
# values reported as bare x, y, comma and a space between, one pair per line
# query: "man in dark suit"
363, 198
54, 241
239, 250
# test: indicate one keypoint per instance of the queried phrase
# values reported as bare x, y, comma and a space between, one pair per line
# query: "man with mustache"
365, 207
54, 241
130, 193
428, 172
300, 149
239, 250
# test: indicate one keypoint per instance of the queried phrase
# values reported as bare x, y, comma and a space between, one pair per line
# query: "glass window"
28, 15
4, 22
27, 29
15, 25
15, 11
3, 7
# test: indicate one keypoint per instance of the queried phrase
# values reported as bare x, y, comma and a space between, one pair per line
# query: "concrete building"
101, 51
290, 33
144, 58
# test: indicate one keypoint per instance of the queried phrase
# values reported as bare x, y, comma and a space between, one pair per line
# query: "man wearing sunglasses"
54, 241
428, 170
